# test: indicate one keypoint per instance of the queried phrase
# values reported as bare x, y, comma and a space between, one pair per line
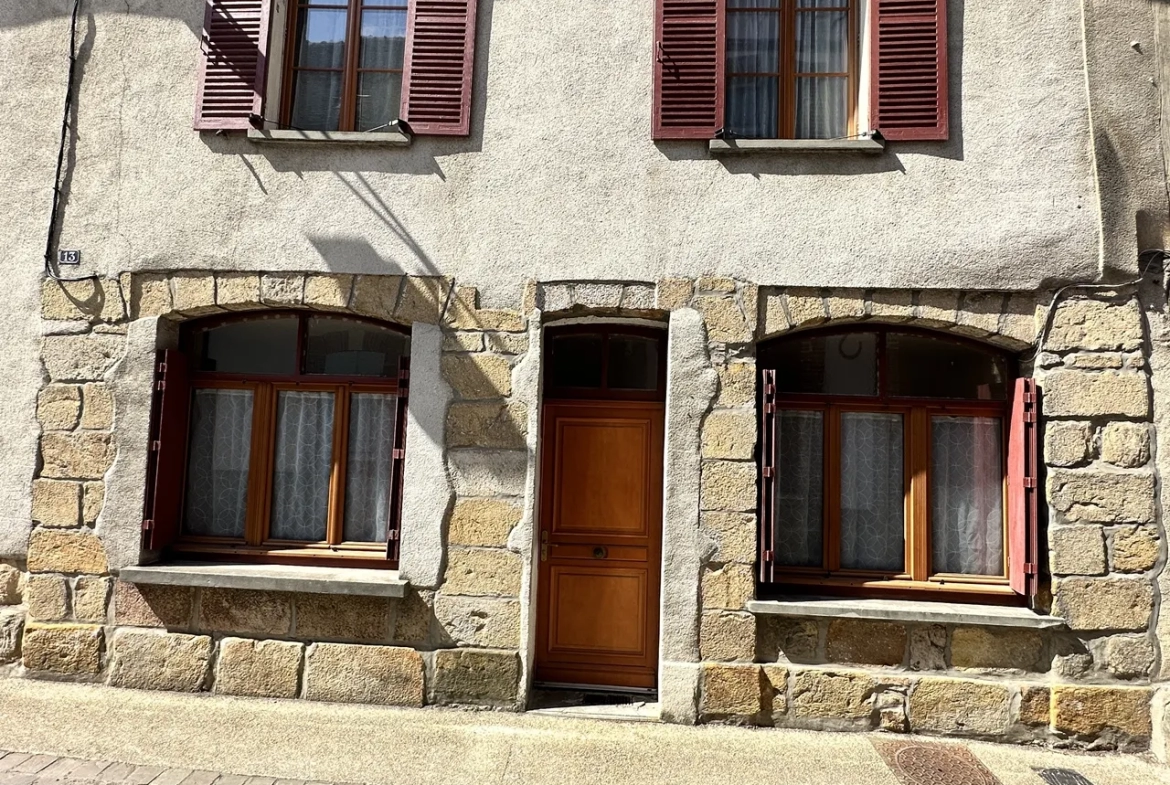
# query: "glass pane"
383, 39
822, 42
822, 107
316, 102
753, 3
368, 469
822, 4
220, 447
966, 495
322, 38
833, 365
753, 43
800, 489
925, 367
258, 346
873, 511
633, 363
304, 457
753, 107
379, 99
341, 347
576, 360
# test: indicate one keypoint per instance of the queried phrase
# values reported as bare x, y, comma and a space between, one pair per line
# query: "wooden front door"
600, 542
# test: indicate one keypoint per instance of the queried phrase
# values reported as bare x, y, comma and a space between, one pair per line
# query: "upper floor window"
885, 460
791, 68
344, 70
282, 436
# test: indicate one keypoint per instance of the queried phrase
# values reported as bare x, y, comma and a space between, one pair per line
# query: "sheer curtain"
753, 67
966, 494
822, 47
218, 455
368, 470
873, 512
303, 461
799, 515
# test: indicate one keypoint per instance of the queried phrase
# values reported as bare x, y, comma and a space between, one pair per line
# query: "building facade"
798, 364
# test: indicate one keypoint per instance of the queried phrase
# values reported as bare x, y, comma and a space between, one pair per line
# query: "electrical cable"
54, 216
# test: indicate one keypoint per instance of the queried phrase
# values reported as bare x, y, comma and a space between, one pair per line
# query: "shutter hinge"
769, 408
1029, 397
148, 525
769, 556
1030, 568
1029, 416
398, 454
155, 445
1029, 482
767, 471
160, 385
162, 367
392, 535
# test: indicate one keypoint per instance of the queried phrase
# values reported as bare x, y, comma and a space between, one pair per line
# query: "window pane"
753, 107
822, 107
304, 457
576, 360
799, 512
368, 471
379, 99
383, 39
822, 42
822, 3
873, 511
924, 367
753, 43
341, 347
753, 3
220, 448
832, 365
316, 102
256, 347
966, 495
322, 38
633, 363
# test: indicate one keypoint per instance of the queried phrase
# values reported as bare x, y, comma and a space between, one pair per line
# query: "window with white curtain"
791, 69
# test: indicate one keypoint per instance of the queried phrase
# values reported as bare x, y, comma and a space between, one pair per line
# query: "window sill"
747, 146
272, 577
906, 611
363, 138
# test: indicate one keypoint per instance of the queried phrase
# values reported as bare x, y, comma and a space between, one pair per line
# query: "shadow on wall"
25, 14
788, 164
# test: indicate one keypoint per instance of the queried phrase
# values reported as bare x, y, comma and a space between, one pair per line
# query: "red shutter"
688, 68
909, 69
168, 451
398, 463
767, 521
1023, 489
233, 67
436, 77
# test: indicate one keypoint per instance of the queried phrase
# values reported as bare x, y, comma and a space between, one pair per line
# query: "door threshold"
586, 701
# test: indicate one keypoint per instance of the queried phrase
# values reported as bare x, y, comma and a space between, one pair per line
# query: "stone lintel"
272, 577
909, 611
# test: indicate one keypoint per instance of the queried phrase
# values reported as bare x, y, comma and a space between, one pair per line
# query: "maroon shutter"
688, 68
1023, 491
909, 69
436, 76
233, 67
168, 451
767, 475
398, 463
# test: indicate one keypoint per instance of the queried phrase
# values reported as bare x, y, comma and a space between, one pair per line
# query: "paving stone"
171, 777
200, 777
143, 775
12, 760
12, 778
231, 779
62, 768
91, 769
116, 772
34, 764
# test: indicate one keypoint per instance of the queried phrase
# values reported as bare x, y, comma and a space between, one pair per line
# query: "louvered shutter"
437, 74
233, 66
1023, 489
767, 494
909, 69
168, 451
688, 68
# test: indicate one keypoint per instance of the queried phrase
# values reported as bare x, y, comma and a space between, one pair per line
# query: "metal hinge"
398, 454
148, 525
1029, 482
1029, 397
769, 556
392, 535
769, 408
1030, 568
1029, 416
767, 471
160, 385
155, 445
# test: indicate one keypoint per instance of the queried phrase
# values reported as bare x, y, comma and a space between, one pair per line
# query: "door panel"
601, 530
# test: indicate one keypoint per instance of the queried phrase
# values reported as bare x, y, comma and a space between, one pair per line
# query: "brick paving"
22, 768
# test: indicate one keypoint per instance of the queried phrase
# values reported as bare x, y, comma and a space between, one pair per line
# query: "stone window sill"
909, 611
271, 577
747, 146
362, 138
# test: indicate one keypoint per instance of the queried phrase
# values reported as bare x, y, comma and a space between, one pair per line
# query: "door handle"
600, 552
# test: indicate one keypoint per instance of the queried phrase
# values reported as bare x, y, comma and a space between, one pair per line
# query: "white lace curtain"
966, 492
302, 465
217, 471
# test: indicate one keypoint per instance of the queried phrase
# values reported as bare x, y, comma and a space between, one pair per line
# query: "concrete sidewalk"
300, 740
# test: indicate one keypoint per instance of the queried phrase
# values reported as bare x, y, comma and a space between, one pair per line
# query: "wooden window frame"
605, 392
787, 75
917, 578
351, 69
257, 545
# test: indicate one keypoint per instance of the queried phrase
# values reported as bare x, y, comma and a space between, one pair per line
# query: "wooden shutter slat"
767, 494
1023, 489
909, 90
437, 73
688, 68
168, 451
233, 66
